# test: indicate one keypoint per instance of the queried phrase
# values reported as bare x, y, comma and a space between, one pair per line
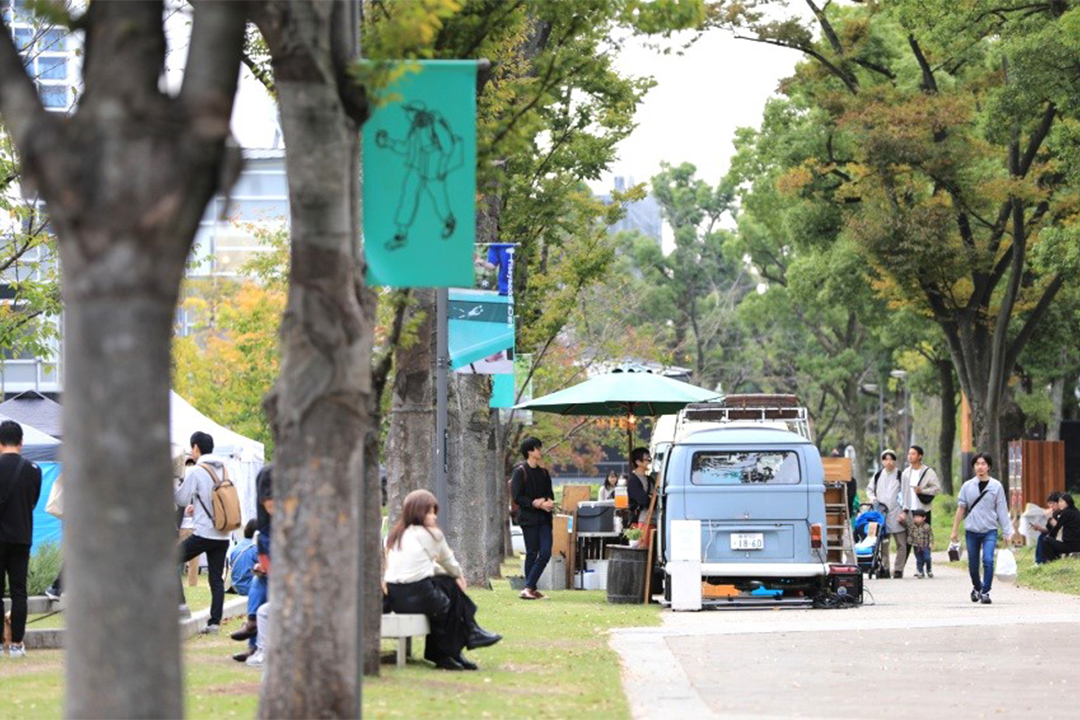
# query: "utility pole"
440, 462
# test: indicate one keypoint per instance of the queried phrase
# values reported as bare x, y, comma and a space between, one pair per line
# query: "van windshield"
755, 467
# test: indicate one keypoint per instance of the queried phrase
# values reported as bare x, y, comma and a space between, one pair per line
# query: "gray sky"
701, 97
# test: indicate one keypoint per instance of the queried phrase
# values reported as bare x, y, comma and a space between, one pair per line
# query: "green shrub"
44, 567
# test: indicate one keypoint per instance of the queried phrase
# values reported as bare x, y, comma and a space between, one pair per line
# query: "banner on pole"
481, 332
420, 178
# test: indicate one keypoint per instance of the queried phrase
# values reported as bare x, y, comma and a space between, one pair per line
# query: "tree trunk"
126, 178
469, 485
1057, 413
947, 439
320, 405
411, 437
118, 500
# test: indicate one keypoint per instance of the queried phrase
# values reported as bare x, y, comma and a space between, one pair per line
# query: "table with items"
596, 526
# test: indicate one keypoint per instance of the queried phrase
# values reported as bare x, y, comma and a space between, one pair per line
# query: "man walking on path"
20, 487
922, 482
983, 507
885, 489
197, 489
531, 488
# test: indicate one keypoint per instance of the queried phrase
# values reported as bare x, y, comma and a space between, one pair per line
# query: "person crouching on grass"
423, 577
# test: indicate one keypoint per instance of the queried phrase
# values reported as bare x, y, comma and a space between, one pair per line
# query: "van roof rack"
754, 408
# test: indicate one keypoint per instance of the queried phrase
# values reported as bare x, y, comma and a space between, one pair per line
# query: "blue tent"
45, 451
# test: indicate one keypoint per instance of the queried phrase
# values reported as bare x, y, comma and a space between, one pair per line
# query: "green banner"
420, 178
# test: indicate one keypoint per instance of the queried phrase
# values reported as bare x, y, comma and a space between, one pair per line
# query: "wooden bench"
404, 628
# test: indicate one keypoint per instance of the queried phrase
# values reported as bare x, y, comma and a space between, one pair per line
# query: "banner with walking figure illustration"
420, 178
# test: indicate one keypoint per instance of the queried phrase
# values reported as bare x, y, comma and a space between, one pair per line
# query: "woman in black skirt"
423, 577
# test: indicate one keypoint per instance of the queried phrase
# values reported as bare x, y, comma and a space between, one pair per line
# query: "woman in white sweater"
423, 577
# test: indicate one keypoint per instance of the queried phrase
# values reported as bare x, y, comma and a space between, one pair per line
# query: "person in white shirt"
922, 483
423, 577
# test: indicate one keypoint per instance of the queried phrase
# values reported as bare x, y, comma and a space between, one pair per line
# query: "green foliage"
45, 565
230, 362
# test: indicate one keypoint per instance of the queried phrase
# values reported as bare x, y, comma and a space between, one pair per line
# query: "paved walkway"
922, 649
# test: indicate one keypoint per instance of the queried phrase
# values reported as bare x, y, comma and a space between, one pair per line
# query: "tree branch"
929, 84
1036, 139
19, 101
265, 78
211, 74
851, 83
1032, 321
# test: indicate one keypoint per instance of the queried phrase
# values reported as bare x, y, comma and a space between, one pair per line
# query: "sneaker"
929, 574
255, 659
210, 630
986, 599
976, 596
17, 650
53, 593
919, 575
243, 656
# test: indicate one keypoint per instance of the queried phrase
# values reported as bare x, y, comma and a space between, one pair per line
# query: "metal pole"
881, 418
442, 369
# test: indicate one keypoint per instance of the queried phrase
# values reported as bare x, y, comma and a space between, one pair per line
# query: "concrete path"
922, 649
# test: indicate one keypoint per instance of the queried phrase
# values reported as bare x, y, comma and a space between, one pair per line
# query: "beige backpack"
225, 501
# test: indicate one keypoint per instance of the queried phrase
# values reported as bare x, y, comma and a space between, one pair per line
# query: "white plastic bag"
1005, 568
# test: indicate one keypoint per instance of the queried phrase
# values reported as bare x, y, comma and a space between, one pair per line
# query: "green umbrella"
622, 392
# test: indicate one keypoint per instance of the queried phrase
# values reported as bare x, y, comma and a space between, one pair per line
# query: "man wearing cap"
885, 489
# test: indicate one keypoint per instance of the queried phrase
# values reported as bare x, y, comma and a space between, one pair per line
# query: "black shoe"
898, 576
243, 656
466, 663
975, 596
247, 631
986, 599
449, 664
480, 637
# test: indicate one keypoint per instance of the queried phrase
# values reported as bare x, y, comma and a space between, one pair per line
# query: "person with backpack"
207, 487
983, 506
885, 490
20, 488
530, 489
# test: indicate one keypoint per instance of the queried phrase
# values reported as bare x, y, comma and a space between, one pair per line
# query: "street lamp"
902, 375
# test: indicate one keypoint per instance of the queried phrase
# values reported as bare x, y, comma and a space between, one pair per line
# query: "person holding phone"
983, 507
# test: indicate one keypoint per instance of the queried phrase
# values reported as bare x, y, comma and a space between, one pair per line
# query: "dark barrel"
626, 574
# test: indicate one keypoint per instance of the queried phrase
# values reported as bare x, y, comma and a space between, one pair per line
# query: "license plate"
747, 541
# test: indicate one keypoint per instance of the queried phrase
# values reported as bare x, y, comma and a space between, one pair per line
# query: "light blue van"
759, 491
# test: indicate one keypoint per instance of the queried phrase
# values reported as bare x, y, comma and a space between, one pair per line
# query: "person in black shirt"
639, 484
530, 486
20, 488
1068, 524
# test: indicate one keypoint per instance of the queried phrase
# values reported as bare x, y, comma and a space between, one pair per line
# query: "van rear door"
753, 503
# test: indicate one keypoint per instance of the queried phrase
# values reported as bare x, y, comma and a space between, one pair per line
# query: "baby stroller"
869, 536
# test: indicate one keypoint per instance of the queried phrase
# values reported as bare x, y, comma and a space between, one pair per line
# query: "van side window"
755, 467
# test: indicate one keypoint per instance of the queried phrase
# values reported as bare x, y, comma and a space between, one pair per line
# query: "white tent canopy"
244, 456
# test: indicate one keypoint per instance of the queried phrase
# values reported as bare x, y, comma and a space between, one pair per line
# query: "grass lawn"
553, 662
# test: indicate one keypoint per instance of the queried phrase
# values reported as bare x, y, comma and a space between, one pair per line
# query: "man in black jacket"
1068, 523
20, 487
530, 486
639, 484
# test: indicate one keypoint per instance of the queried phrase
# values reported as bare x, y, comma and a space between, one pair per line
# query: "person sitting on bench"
423, 577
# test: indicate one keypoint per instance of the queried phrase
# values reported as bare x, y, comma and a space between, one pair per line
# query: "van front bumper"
764, 569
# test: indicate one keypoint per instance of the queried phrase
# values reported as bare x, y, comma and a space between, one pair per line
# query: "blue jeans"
537, 552
987, 542
1040, 556
922, 559
257, 594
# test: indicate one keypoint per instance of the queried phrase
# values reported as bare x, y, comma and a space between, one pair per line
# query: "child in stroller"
869, 534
